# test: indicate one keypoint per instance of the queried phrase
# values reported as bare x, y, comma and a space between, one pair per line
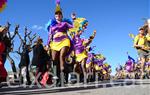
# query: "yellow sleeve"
136, 39
148, 37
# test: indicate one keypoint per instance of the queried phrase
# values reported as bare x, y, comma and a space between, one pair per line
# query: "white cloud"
37, 27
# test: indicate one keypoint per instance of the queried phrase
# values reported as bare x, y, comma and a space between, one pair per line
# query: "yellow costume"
88, 65
81, 56
140, 40
57, 46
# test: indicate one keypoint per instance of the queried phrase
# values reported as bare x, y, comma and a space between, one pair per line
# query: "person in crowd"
140, 43
3, 72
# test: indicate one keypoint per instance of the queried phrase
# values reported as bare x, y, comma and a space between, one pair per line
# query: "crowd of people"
67, 55
65, 52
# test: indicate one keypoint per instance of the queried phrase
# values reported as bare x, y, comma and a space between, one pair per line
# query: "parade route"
119, 87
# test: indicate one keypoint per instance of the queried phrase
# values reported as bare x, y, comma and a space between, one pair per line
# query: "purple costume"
147, 64
78, 44
129, 65
90, 58
58, 27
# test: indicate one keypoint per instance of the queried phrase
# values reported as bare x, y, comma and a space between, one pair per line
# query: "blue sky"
113, 20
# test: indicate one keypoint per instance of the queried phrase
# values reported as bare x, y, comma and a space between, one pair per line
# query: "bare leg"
83, 66
77, 68
55, 59
55, 55
142, 65
63, 53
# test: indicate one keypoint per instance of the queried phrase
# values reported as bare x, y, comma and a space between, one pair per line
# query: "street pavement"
118, 87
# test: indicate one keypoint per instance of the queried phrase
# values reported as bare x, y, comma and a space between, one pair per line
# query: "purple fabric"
58, 39
148, 64
129, 68
90, 57
57, 1
129, 65
79, 49
88, 61
105, 68
129, 62
100, 62
78, 44
61, 27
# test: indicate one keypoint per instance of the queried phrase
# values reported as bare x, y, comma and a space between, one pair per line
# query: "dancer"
59, 41
80, 44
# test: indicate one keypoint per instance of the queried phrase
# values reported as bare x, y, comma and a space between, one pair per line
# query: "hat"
39, 39
2, 29
141, 28
58, 9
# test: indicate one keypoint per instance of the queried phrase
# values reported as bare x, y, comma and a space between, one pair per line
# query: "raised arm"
90, 39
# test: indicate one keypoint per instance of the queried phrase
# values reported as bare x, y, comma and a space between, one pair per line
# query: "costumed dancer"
147, 70
90, 59
98, 62
129, 67
89, 63
120, 72
138, 69
3, 72
98, 65
59, 41
80, 44
106, 71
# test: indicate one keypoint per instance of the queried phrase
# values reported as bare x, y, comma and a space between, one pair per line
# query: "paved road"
121, 87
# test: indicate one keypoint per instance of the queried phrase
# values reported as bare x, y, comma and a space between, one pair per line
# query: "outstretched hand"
94, 32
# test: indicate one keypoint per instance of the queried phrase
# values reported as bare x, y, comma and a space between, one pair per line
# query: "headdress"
2, 28
58, 9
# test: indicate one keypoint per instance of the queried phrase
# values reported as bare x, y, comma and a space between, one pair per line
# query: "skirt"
97, 68
88, 65
81, 56
57, 46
